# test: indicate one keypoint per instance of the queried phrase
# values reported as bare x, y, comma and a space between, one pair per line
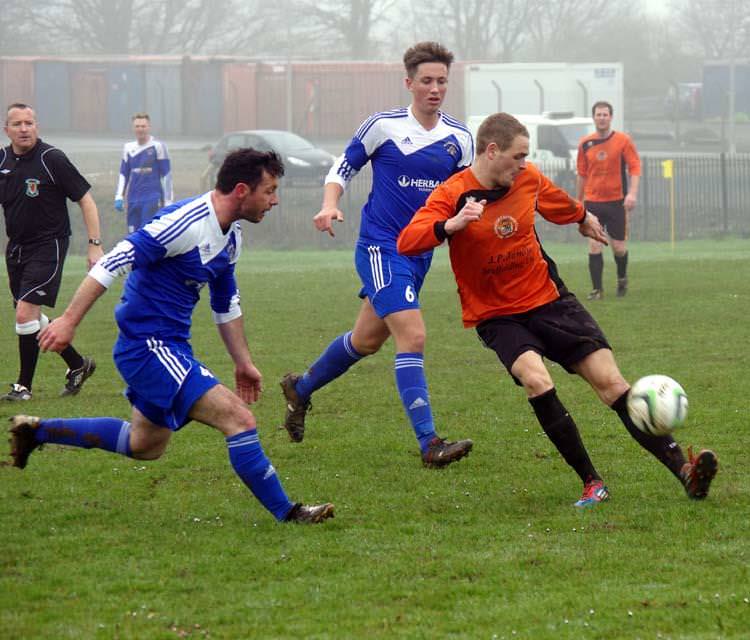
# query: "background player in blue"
188, 245
412, 150
145, 175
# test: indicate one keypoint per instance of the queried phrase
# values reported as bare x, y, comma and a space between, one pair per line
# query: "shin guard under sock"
563, 433
664, 448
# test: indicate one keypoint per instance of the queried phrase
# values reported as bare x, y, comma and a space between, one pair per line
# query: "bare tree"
563, 29
344, 26
478, 29
143, 26
16, 33
85, 25
181, 26
721, 28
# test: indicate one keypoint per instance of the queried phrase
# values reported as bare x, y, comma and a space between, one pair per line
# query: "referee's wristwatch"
95, 241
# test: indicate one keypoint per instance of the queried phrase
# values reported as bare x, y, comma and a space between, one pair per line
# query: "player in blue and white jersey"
188, 245
145, 175
411, 150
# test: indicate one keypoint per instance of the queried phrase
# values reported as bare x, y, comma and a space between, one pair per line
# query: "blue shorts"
164, 379
139, 213
390, 281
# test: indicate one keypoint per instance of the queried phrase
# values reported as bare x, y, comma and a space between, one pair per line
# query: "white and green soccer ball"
657, 405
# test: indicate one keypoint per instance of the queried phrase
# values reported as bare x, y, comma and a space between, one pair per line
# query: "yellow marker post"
667, 172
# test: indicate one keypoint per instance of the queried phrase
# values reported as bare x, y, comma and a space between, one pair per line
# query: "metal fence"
708, 195
711, 197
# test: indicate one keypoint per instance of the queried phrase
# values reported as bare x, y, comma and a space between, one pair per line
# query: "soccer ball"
657, 405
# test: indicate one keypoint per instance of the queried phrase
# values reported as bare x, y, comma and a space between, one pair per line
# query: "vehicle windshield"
574, 132
561, 139
287, 142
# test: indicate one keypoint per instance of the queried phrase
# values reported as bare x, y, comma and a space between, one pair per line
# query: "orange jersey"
498, 261
602, 162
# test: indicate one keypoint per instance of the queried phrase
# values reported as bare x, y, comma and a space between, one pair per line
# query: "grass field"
99, 546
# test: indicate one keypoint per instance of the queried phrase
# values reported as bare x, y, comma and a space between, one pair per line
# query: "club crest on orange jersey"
601, 156
505, 226
32, 187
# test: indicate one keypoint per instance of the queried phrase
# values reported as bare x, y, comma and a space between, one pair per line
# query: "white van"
553, 135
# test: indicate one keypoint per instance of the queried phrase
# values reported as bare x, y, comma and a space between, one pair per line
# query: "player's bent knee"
148, 450
535, 382
238, 420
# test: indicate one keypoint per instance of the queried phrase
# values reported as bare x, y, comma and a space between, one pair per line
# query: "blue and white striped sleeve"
165, 173
225, 297
124, 177
368, 138
118, 262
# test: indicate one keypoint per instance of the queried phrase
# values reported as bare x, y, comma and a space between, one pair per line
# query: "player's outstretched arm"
248, 379
329, 210
592, 228
59, 333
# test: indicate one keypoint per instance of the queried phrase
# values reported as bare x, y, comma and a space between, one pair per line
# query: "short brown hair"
140, 116
426, 52
500, 128
17, 105
602, 103
247, 165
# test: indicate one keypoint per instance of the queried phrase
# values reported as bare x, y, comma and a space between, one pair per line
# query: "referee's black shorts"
561, 331
35, 270
612, 216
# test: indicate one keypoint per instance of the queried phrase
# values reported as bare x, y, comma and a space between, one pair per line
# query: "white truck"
553, 135
538, 87
552, 99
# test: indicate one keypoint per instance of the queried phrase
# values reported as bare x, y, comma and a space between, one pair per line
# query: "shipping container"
240, 111
164, 97
52, 100
273, 81
202, 96
89, 97
16, 80
126, 95
331, 99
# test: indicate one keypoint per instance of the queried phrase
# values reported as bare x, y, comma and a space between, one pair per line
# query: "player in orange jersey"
606, 159
511, 292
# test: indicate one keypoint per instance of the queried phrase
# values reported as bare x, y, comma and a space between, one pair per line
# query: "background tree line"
655, 48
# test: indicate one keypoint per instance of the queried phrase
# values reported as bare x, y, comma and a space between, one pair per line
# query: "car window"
552, 139
287, 142
235, 141
258, 143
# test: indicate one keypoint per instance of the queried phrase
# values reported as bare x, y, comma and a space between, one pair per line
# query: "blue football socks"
334, 361
110, 434
412, 387
257, 472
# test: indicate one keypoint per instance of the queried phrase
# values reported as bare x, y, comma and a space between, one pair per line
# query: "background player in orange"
511, 292
606, 159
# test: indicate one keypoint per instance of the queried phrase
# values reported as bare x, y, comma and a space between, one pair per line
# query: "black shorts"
35, 270
561, 331
612, 216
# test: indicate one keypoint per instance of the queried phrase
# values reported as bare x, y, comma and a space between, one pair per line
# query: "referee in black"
35, 180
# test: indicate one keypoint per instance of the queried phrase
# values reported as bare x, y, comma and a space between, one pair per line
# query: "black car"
304, 163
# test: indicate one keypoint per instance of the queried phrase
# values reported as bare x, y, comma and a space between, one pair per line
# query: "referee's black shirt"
33, 188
